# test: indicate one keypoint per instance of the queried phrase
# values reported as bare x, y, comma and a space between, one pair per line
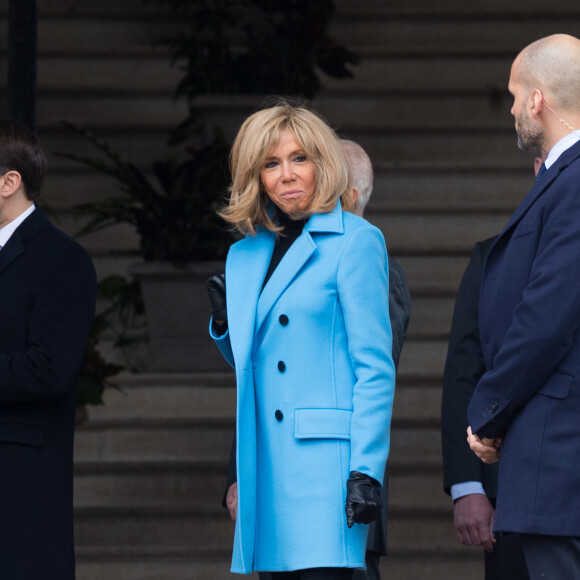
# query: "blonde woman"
306, 327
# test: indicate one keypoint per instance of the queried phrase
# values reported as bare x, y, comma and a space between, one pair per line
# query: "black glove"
363, 500
216, 290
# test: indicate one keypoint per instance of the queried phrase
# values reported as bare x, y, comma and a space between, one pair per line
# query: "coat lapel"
14, 247
295, 259
245, 272
10, 252
292, 262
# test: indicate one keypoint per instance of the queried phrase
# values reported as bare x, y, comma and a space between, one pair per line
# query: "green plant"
174, 212
254, 46
123, 299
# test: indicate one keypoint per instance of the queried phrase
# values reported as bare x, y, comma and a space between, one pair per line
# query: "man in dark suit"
399, 313
471, 483
47, 302
525, 408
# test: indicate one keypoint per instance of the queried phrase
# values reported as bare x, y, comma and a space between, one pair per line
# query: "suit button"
281, 366
493, 407
279, 415
283, 319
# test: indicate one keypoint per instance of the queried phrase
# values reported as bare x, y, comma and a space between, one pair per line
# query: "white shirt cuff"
466, 488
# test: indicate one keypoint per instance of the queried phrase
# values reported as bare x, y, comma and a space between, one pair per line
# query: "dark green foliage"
124, 301
255, 46
174, 213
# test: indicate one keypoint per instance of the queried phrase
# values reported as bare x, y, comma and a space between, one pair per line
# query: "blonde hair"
261, 132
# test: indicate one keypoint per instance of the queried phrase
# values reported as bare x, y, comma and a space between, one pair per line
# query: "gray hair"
362, 172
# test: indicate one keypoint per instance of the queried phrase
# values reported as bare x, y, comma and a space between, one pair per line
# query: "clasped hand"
486, 449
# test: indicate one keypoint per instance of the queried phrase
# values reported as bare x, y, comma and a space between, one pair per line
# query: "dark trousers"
310, 574
372, 572
556, 557
507, 561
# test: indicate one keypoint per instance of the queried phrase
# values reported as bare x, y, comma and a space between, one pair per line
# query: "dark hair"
20, 151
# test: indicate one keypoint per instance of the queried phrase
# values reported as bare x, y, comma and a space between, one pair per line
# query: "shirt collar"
560, 147
7, 231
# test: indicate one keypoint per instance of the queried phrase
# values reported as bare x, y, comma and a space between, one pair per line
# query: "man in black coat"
47, 302
471, 483
399, 313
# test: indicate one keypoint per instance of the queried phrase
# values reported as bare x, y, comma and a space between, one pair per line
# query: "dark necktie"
541, 172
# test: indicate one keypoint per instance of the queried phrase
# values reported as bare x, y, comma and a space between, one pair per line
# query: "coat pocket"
322, 423
557, 385
23, 433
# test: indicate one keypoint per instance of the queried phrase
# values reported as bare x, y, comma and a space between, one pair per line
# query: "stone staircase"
150, 472
430, 105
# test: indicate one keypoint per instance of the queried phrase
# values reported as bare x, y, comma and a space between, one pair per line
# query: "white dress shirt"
7, 230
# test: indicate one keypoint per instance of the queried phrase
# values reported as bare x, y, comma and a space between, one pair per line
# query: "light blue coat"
315, 387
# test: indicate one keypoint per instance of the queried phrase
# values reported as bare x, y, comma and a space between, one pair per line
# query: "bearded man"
526, 407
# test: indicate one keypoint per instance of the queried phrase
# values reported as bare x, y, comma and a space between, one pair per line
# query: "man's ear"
354, 194
536, 102
10, 183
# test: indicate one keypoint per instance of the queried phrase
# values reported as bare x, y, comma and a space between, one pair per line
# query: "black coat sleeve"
399, 307
463, 368
57, 319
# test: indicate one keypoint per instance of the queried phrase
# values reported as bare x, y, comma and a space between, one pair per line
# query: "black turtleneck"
292, 229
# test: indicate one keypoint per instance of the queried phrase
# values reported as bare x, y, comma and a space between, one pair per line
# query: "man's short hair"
362, 172
20, 151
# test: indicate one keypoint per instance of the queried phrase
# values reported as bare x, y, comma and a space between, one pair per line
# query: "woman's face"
288, 176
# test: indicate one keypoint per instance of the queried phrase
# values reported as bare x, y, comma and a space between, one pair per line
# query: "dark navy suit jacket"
47, 301
529, 320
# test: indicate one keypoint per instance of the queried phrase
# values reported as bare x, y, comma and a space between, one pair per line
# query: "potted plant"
181, 239
229, 49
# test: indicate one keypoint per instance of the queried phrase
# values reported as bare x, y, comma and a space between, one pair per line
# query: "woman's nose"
287, 172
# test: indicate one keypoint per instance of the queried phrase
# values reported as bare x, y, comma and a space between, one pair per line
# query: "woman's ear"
10, 183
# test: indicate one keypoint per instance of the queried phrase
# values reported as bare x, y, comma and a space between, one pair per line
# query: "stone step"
456, 9
211, 529
135, 75
350, 112
405, 149
404, 74
433, 275
406, 33
425, 191
427, 275
430, 318
388, 34
150, 401
415, 446
162, 484
83, 34
417, 8
404, 234
144, 565
167, 485
395, 191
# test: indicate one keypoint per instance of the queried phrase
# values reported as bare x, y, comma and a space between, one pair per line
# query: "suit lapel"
543, 184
